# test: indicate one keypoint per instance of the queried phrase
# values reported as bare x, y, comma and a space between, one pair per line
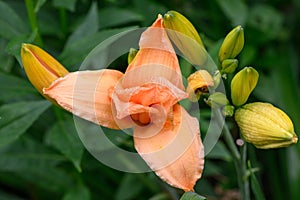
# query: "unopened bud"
41, 68
229, 66
198, 84
242, 84
228, 111
184, 35
265, 126
131, 55
217, 77
217, 100
232, 44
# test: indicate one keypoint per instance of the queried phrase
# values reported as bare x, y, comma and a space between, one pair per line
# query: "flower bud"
217, 78
217, 100
185, 37
265, 126
229, 66
232, 44
41, 68
198, 84
228, 110
242, 84
131, 55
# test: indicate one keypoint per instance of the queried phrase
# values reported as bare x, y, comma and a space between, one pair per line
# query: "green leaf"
220, 152
129, 188
256, 189
235, 10
90, 23
192, 196
14, 88
16, 118
6, 61
14, 45
11, 24
35, 163
80, 192
67, 4
268, 20
79, 49
38, 5
117, 17
63, 136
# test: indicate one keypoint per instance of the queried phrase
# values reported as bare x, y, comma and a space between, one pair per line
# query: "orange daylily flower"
146, 98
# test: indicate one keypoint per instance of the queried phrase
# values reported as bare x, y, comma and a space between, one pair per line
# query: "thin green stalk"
239, 164
33, 21
63, 21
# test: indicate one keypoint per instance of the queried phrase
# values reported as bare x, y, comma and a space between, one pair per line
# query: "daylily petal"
88, 94
175, 152
156, 58
140, 98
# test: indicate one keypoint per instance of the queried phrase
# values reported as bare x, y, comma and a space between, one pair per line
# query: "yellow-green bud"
217, 78
184, 35
198, 84
41, 68
232, 44
242, 84
131, 54
217, 100
265, 126
228, 111
229, 66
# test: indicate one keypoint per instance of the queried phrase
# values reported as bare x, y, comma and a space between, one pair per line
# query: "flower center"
141, 119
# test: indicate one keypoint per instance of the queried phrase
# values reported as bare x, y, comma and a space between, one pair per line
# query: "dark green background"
41, 156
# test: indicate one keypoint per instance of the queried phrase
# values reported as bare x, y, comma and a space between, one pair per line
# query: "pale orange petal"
140, 98
156, 58
175, 151
88, 94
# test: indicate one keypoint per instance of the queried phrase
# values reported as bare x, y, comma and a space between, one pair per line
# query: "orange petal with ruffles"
87, 94
156, 58
140, 98
175, 151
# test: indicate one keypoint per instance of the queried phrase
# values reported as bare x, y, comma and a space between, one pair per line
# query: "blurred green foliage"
41, 156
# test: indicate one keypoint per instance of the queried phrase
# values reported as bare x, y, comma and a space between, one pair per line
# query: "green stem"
33, 21
63, 21
239, 163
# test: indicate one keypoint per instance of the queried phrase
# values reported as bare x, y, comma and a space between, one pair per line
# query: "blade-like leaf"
235, 10
117, 17
78, 50
80, 192
129, 187
90, 23
67, 4
63, 136
192, 196
14, 88
10, 23
38, 5
34, 163
16, 118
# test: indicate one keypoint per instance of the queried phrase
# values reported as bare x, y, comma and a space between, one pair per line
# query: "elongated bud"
229, 66
232, 44
265, 126
131, 55
198, 84
242, 84
184, 35
41, 68
217, 100
217, 78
